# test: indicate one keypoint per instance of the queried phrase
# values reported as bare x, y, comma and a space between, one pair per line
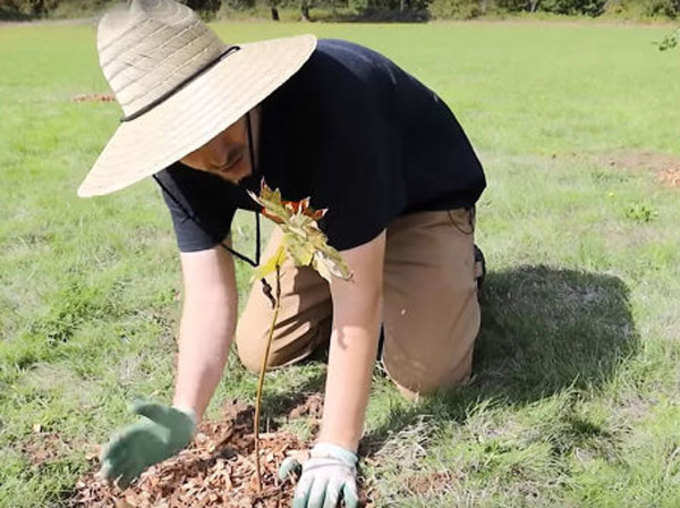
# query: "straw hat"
179, 86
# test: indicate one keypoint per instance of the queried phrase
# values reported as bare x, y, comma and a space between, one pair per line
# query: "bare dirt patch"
312, 407
428, 484
42, 447
665, 166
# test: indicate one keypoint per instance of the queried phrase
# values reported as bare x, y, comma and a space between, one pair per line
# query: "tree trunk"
304, 10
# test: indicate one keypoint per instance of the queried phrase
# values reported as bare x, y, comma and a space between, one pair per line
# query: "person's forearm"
206, 332
350, 370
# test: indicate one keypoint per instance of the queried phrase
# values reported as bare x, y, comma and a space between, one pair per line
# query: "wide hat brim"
196, 113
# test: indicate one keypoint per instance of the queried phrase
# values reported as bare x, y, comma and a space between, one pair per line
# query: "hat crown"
147, 48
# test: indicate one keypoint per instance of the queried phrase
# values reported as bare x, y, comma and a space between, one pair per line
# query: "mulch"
218, 469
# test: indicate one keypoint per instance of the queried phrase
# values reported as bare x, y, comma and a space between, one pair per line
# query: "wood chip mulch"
218, 469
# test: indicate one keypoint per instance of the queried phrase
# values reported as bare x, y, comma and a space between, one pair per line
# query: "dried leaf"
270, 266
303, 240
300, 250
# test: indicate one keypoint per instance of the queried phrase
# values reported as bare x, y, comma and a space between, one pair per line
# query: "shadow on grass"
280, 404
543, 330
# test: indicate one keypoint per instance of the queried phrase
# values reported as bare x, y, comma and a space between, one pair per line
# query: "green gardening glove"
327, 477
146, 443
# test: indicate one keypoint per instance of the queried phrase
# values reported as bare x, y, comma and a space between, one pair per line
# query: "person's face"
225, 155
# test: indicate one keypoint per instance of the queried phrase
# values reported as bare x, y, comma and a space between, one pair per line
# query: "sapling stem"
260, 382
306, 245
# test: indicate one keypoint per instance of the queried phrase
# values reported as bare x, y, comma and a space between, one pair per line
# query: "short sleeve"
201, 206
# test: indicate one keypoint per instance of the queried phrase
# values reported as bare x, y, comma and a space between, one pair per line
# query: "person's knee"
413, 395
287, 346
251, 351
250, 362
431, 381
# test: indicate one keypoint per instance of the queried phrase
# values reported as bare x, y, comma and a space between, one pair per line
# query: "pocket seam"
453, 223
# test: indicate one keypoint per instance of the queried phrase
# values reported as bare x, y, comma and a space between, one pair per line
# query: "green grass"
575, 396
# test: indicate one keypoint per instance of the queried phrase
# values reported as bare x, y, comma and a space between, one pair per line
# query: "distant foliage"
366, 9
207, 8
458, 9
21, 9
27, 8
644, 8
587, 7
668, 8
406, 8
238, 4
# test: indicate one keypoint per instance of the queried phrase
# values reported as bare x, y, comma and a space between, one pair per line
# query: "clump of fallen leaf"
93, 97
218, 469
670, 177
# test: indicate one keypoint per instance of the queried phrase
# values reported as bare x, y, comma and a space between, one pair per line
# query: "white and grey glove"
327, 477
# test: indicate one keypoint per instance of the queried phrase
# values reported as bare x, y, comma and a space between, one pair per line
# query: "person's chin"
235, 175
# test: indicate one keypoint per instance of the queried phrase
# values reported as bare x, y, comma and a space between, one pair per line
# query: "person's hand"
143, 444
328, 476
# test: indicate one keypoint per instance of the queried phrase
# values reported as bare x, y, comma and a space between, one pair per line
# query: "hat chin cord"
195, 220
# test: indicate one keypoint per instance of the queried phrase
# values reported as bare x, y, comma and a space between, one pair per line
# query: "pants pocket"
463, 219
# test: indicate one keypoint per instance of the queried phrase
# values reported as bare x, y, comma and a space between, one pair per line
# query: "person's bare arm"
207, 326
357, 308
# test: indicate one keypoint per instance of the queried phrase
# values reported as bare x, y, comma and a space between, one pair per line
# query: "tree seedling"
304, 244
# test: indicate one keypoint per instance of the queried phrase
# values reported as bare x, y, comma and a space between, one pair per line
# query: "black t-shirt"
356, 133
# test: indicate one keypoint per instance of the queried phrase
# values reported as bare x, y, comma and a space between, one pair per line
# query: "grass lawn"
575, 399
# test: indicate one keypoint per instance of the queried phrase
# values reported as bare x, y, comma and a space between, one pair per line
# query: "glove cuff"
189, 412
336, 452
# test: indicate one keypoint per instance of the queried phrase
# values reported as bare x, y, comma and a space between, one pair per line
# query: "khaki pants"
431, 315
